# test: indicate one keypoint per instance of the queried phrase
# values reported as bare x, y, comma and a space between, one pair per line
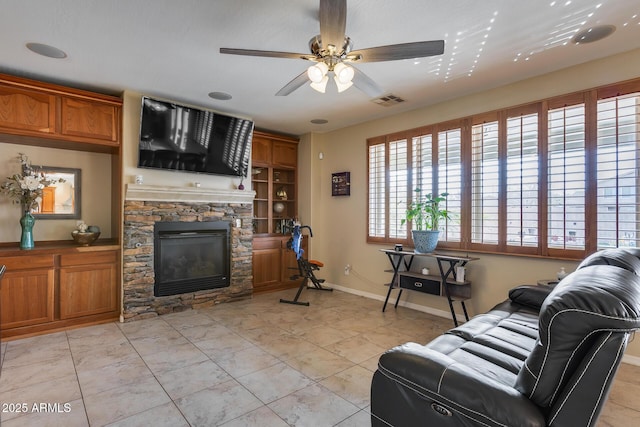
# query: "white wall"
339, 222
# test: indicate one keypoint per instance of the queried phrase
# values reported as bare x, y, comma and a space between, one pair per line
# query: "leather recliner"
545, 357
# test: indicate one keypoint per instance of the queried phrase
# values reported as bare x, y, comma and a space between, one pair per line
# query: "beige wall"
339, 222
96, 191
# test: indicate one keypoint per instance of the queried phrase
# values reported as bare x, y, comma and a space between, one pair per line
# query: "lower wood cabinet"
53, 290
27, 298
88, 284
274, 264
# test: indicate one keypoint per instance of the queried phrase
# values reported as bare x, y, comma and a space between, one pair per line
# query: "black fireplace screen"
190, 257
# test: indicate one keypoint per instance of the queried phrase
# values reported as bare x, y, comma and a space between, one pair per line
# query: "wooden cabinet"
274, 179
27, 293
57, 116
54, 288
24, 110
89, 120
274, 264
88, 284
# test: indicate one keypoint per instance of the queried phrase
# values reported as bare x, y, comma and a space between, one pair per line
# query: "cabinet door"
25, 110
86, 290
89, 119
266, 268
27, 298
260, 151
285, 154
290, 262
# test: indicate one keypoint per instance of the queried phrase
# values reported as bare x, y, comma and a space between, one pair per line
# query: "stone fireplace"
185, 211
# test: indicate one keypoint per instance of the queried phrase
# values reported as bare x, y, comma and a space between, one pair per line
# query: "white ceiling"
170, 49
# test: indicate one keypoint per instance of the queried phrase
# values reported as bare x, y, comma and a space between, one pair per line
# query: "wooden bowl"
86, 238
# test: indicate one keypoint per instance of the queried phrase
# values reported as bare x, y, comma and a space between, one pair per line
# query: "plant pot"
425, 241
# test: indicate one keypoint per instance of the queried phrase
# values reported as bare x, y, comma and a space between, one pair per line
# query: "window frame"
589, 98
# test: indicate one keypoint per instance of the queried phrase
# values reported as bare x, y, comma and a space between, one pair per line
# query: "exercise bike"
306, 267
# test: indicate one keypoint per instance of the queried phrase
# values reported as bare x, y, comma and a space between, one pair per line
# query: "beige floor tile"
319, 364
324, 335
313, 406
274, 382
116, 375
166, 415
118, 403
91, 358
246, 361
217, 405
192, 378
356, 349
353, 385
23, 376
359, 419
261, 417
174, 357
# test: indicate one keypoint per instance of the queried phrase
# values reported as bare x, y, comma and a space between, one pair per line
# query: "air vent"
388, 100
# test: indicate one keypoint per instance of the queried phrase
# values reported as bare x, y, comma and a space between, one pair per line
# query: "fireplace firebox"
191, 256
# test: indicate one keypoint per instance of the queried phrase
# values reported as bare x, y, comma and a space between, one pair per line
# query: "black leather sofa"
544, 357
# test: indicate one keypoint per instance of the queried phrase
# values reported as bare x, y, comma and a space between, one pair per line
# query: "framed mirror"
62, 199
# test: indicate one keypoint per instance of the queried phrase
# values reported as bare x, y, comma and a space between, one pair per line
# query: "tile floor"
250, 363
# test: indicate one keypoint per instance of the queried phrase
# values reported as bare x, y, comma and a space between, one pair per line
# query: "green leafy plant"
425, 213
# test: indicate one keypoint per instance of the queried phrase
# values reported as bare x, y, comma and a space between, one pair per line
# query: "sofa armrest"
530, 295
461, 394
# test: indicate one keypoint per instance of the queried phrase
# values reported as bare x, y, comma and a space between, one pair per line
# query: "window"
522, 181
555, 178
617, 178
485, 180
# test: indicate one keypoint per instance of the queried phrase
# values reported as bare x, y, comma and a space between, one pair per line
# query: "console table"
444, 285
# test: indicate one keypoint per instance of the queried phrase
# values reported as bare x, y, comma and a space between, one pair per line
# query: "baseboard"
631, 360
413, 306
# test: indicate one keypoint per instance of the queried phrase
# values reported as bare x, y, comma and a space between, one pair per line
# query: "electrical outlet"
347, 269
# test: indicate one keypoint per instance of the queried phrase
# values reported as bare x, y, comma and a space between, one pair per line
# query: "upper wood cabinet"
65, 117
27, 110
89, 119
274, 150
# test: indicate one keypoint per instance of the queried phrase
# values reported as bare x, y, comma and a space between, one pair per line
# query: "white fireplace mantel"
161, 193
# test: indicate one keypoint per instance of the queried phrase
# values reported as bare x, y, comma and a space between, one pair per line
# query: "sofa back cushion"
593, 300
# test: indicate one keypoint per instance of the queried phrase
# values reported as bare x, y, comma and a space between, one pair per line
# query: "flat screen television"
181, 138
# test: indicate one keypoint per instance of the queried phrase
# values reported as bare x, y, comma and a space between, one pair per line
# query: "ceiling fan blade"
294, 84
267, 53
399, 51
365, 84
333, 21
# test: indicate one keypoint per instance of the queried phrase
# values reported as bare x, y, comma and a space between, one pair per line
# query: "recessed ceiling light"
319, 121
221, 96
593, 34
46, 50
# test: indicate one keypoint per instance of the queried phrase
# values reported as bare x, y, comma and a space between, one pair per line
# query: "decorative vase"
425, 241
26, 239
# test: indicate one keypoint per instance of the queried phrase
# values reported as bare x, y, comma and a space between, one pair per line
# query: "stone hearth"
144, 206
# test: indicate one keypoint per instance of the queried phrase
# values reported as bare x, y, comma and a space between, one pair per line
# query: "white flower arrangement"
26, 188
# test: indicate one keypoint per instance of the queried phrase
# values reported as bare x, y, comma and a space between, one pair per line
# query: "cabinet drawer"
420, 284
88, 258
27, 262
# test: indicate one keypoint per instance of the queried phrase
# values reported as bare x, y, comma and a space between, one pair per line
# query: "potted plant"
425, 215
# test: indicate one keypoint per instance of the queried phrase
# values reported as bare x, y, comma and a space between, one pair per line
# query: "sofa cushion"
594, 299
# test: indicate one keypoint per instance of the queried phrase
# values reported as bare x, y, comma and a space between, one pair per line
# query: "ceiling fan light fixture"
344, 73
320, 86
317, 72
342, 86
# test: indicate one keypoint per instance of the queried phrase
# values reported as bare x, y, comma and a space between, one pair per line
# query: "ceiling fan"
331, 52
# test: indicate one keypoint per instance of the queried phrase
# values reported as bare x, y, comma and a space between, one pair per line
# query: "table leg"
445, 276
396, 270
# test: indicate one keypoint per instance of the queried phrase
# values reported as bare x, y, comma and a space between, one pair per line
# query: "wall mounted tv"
181, 138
